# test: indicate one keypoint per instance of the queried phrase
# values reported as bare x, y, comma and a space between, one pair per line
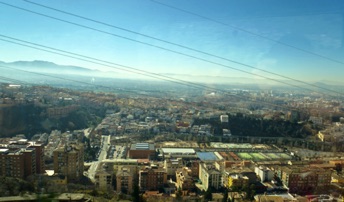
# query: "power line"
56, 77
62, 78
178, 45
190, 84
12, 80
169, 50
125, 68
121, 67
247, 31
65, 79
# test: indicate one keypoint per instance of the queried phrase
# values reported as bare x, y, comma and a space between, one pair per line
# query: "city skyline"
317, 29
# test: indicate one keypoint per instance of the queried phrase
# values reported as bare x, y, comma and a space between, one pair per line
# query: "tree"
339, 168
251, 191
179, 194
94, 192
225, 195
208, 196
136, 193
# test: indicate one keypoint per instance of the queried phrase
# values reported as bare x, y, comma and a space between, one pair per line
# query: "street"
103, 153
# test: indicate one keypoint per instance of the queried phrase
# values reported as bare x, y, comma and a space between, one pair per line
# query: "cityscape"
171, 101
110, 146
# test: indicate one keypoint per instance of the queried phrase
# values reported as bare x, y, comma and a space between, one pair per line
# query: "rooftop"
142, 146
178, 150
207, 156
3, 150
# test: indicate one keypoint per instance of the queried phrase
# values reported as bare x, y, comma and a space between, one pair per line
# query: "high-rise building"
12, 163
193, 165
302, 180
171, 165
264, 173
39, 148
184, 180
69, 161
210, 176
103, 180
152, 178
125, 180
29, 161
21, 159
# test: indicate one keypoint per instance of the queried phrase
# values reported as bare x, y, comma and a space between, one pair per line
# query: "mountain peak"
37, 63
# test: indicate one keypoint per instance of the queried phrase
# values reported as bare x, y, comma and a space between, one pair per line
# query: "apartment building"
265, 174
305, 180
238, 180
103, 180
210, 176
69, 161
152, 178
125, 180
184, 180
12, 163
171, 165
21, 159
39, 150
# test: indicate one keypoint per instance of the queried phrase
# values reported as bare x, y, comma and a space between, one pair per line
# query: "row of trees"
10, 186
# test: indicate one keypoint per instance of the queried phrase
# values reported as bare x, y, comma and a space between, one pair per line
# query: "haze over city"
174, 101
240, 31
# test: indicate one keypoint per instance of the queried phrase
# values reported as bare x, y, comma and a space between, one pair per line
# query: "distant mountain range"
49, 67
45, 67
245, 80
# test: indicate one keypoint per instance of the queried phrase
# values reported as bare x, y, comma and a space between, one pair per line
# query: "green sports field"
273, 156
245, 156
257, 156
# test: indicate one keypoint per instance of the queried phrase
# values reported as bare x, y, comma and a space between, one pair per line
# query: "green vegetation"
81, 118
10, 186
90, 153
20, 119
257, 126
208, 194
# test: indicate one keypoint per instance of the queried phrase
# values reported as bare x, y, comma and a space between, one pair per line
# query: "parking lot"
117, 152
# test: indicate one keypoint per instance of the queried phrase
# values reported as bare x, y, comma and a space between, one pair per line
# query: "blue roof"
207, 156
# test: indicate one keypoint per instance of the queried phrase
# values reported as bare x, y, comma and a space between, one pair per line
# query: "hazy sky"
316, 26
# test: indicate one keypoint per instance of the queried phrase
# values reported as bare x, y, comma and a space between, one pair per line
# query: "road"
92, 171
103, 153
87, 132
105, 147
